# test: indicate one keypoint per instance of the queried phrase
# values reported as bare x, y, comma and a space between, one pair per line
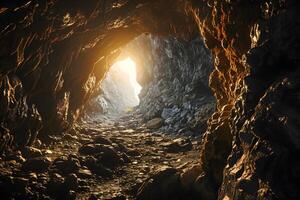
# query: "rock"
110, 159
105, 154
67, 165
96, 167
155, 123
165, 184
178, 145
43, 178
33, 177
48, 152
39, 164
84, 173
30, 152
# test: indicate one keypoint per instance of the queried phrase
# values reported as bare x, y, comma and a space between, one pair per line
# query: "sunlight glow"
128, 66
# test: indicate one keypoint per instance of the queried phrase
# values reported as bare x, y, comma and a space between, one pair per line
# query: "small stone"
106, 154
48, 152
84, 173
155, 123
67, 165
33, 177
96, 167
43, 178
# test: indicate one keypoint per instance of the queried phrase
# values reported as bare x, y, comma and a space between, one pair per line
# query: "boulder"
155, 123
92, 164
67, 165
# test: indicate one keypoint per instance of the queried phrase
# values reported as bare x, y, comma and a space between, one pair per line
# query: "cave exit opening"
120, 86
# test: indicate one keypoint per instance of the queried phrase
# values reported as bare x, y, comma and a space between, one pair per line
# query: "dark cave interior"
217, 115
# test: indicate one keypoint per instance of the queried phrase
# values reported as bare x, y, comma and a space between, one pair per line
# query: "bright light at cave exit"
128, 66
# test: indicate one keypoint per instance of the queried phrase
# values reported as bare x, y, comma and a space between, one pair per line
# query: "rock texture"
174, 75
251, 147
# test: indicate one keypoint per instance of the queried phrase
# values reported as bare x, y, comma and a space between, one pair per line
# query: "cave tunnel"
213, 113
118, 92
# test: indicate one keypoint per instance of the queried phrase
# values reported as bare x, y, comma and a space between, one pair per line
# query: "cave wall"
174, 77
251, 147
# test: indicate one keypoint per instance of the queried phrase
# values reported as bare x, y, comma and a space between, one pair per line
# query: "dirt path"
104, 160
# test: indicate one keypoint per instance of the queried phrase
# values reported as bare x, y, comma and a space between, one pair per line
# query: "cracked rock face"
256, 50
174, 75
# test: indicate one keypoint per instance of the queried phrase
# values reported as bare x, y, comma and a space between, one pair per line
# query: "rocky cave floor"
111, 159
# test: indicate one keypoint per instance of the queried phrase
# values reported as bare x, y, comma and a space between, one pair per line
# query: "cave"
213, 112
